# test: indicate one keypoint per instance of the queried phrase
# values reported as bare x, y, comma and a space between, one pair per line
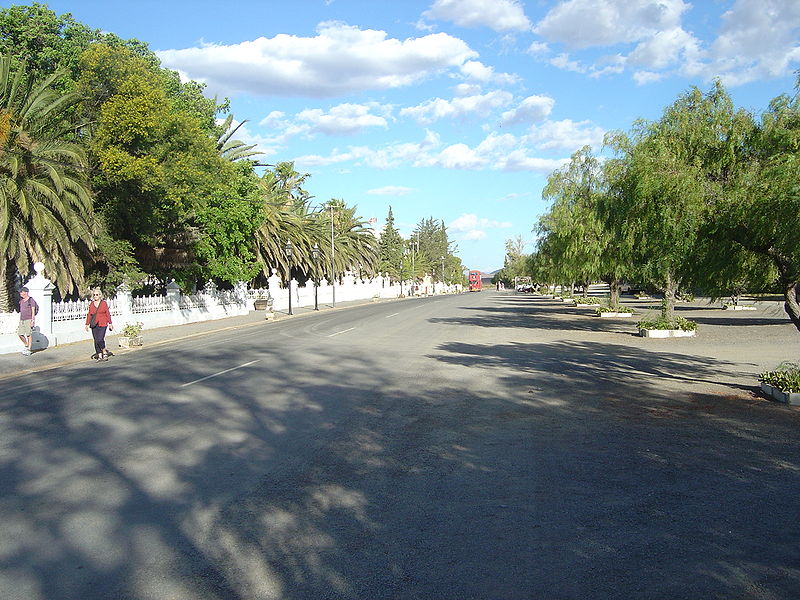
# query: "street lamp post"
333, 262
401, 276
442, 274
414, 244
288, 251
315, 257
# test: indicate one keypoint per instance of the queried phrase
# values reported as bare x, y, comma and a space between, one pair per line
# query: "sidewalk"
13, 365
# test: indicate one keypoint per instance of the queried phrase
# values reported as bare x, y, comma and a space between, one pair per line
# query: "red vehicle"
474, 281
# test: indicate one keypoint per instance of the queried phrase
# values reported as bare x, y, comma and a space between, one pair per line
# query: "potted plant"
131, 335
587, 301
662, 327
609, 310
782, 384
263, 302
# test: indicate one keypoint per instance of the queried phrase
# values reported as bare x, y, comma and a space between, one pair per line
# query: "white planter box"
615, 314
666, 333
787, 398
585, 305
738, 307
128, 342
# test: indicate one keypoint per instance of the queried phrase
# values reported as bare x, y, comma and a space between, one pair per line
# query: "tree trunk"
613, 286
668, 308
6, 286
788, 275
791, 293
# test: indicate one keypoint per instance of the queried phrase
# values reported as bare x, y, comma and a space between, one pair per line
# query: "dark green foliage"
390, 248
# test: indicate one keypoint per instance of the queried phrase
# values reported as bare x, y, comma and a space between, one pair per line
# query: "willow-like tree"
45, 202
760, 211
582, 245
665, 174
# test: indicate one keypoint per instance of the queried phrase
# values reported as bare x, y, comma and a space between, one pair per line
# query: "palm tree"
233, 150
356, 246
45, 202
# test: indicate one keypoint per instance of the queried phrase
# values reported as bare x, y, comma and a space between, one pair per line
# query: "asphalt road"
486, 446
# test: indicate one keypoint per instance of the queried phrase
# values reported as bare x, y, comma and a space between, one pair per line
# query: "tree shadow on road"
509, 471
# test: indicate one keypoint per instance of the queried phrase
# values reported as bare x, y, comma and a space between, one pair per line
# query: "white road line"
392, 315
220, 373
338, 332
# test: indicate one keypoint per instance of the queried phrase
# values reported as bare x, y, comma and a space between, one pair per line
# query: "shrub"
786, 377
588, 300
132, 329
662, 323
617, 308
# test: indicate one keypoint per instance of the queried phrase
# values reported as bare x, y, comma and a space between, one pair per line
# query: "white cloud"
562, 61
565, 134
473, 69
662, 49
390, 190
499, 15
757, 39
530, 110
471, 227
466, 89
586, 23
344, 119
458, 156
538, 49
519, 161
496, 152
645, 77
340, 59
438, 108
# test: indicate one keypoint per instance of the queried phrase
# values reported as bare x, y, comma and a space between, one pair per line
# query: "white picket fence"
64, 322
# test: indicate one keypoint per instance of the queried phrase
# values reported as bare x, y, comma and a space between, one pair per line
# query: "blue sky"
454, 109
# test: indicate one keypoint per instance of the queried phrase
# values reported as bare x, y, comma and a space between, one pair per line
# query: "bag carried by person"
93, 319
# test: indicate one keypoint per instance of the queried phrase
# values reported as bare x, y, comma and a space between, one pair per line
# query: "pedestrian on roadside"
99, 320
27, 319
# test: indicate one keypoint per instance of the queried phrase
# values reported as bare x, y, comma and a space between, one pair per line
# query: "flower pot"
129, 342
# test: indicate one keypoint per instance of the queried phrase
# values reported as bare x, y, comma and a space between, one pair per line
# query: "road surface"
486, 446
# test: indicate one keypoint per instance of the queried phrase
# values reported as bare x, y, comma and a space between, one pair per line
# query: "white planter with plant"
587, 301
782, 384
666, 333
607, 310
663, 328
738, 307
131, 335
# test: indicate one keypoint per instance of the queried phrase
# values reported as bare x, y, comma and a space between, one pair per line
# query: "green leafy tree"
45, 41
514, 263
390, 248
161, 183
758, 212
431, 243
45, 201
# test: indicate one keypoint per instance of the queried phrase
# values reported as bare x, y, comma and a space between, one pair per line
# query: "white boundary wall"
64, 322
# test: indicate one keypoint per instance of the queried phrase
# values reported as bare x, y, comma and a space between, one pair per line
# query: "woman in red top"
98, 308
